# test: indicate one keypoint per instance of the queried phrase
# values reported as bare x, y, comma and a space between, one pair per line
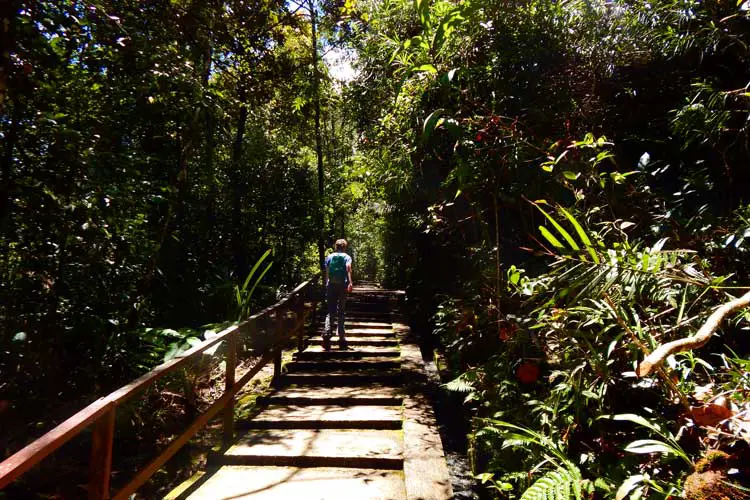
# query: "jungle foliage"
152, 153
569, 179
560, 186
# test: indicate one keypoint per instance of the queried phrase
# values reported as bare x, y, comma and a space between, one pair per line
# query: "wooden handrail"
15, 465
101, 413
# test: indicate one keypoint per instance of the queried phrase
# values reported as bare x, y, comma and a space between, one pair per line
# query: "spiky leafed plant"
585, 268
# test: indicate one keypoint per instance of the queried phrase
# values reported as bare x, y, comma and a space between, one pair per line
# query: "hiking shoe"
326, 343
344, 346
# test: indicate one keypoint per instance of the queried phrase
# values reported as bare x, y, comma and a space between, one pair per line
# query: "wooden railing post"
315, 292
228, 385
100, 467
299, 319
278, 344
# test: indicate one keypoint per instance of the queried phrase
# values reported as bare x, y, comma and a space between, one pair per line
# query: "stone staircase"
336, 426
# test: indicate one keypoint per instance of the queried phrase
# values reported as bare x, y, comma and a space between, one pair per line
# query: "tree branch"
656, 358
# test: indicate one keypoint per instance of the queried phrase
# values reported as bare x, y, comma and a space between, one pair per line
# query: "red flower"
504, 333
527, 372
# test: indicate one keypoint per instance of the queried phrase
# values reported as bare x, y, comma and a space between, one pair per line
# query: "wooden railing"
100, 415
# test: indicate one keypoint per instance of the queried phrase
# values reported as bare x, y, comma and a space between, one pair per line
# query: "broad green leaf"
484, 477
357, 189
650, 446
628, 485
423, 11
448, 77
193, 341
430, 124
212, 350
427, 68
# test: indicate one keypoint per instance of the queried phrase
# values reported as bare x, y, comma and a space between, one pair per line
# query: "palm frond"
588, 270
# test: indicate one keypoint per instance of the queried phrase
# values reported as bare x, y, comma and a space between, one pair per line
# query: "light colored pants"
336, 301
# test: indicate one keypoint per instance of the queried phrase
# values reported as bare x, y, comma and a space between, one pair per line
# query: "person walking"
338, 283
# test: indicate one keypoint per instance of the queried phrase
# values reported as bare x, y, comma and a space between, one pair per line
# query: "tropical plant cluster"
564, 188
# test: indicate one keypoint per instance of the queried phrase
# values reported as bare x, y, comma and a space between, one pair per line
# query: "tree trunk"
318, 134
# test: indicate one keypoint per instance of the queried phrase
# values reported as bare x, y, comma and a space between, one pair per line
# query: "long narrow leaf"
260, 278
581, 234
650, 446
636, 419
255, 268
559, 228
549, 237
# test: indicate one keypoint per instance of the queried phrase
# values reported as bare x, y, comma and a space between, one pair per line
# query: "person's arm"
325, 264
349, 274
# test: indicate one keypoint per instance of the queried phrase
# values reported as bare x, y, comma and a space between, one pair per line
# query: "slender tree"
318, 133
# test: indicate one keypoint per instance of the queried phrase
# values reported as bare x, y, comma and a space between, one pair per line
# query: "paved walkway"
343, 425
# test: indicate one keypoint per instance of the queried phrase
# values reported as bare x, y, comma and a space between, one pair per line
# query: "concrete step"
326, 417
335, 337
366, 331
366, 324
373, 394
357, 317
365, 448
284, 483
368, 335
331, 365
360, 341
364, 352
366, 310
362, 316
343, 377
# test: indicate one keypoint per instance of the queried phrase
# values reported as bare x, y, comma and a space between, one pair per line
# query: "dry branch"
700, 339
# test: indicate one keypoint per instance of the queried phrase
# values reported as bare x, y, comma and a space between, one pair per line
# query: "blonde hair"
341, 245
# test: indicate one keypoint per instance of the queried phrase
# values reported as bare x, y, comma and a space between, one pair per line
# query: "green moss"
714, 460
247, 402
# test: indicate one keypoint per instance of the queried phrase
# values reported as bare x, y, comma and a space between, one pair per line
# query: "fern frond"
460, 384
558, 484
